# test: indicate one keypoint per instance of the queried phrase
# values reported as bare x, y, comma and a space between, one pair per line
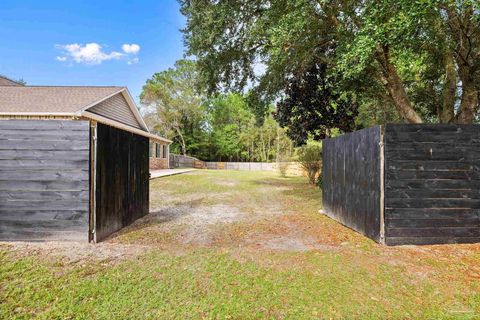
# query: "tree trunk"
463, 34
184, 147
469, 104
446, 112
394, 86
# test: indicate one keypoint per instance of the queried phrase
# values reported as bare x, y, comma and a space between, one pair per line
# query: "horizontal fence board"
432, 203
393, 241
442, 175
44, 179
431, 165
434, 194
414, 138
71, 145
44, 195
50, 164
435, 223
455, 184
44, 224
472, 231
41, 235
434, 130
43, 205
70, 185
459, 154
44, 155
46, 215
58, 136
44, 175
431, 213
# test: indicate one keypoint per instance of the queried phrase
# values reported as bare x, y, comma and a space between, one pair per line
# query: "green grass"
356, 279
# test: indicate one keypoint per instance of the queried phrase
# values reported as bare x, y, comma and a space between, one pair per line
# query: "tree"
312, 108
420, 57
310, 158
235, 135
177, 106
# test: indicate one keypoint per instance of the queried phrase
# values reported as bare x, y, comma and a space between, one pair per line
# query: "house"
159, 151
74, 161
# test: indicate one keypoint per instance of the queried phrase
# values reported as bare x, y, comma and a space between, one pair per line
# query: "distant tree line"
216, 128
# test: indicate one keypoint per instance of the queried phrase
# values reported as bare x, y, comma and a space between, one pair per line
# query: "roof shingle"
39, 99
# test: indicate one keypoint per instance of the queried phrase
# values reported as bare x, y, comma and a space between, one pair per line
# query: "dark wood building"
406, 184
74, 162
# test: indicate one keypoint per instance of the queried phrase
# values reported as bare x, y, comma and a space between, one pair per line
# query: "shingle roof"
4, 81
33, 99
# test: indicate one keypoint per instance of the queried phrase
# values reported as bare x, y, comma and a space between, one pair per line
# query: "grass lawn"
237, 245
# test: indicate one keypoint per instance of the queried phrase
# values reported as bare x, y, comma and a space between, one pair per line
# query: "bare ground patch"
76, 252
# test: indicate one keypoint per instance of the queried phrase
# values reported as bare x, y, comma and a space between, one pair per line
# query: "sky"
103, 42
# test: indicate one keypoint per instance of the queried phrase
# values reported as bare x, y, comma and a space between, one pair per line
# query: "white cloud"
133, 61
93, 53
131, 48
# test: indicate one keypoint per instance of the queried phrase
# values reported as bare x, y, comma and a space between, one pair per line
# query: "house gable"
116, 108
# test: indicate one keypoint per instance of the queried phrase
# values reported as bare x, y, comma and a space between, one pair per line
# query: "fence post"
382, 185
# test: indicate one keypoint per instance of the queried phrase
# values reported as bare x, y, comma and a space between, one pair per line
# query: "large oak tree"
422, 57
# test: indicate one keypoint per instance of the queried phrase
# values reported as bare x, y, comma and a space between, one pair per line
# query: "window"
164, 152
150, 149
157, 150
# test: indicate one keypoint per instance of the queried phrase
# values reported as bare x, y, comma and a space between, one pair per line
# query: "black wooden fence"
44, 179
406, 184
351, 180
122, 191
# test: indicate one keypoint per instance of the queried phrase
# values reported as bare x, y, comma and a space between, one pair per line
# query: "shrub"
310, 159
283, 164
320, 182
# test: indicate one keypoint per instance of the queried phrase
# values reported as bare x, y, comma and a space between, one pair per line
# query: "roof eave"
121, 126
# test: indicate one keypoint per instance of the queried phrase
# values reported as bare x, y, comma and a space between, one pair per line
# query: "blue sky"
45, 42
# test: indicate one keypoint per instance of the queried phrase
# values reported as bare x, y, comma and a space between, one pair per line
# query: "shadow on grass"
158, 217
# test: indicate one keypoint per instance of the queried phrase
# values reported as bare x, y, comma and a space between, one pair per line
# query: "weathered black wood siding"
351, 180
122, 189
44, 180
432, 184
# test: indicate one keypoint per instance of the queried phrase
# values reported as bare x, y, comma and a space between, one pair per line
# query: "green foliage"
392, 53
319, 182
235, 135
221, 128
174, 107
312, 107
310, 158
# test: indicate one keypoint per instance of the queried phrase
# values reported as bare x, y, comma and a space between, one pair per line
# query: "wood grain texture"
44, 179
351, 180
122, 187
432, 184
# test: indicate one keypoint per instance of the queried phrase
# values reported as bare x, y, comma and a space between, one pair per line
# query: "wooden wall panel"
351, 180
432, 184
122, 182
44, 179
